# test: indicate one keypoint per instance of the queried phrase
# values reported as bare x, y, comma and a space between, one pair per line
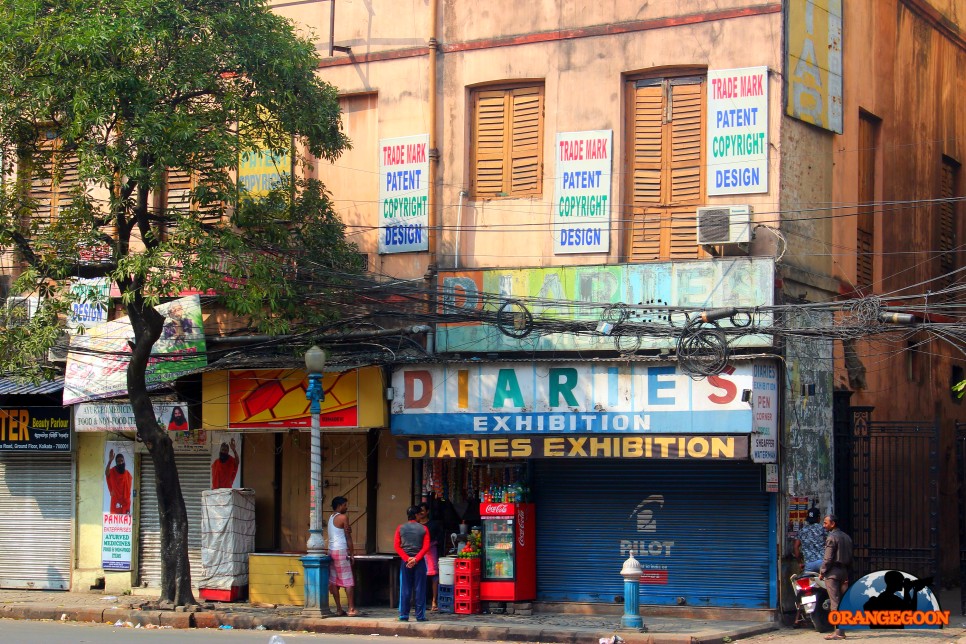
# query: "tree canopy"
103, 106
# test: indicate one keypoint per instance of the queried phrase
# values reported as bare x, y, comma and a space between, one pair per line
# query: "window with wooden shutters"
666, 173
52, 185
177, 197
948, 238
507, 142
865, 219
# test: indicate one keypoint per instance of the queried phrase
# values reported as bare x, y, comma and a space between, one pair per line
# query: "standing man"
340, 550
412, 544
835, 567
118, 484
224, 469
810, 544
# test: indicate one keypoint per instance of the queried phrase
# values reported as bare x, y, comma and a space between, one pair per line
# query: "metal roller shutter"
194, 470
36, 495
704, 532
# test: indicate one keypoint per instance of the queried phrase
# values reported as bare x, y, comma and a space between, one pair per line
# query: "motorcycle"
811, 600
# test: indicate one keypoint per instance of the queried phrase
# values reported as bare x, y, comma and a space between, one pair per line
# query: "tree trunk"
175, 571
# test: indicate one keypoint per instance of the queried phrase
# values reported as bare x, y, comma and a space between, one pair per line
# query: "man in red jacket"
412, 544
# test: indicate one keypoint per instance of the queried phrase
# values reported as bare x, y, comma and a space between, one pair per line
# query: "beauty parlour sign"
709, 448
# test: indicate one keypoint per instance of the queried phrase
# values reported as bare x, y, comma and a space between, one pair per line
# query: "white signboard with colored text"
404, 194
582, 197
737, 153
764, 401
509, 399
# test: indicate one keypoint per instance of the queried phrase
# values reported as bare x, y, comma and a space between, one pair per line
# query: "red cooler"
509, 551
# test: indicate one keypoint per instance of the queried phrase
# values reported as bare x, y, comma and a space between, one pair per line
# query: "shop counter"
278, 578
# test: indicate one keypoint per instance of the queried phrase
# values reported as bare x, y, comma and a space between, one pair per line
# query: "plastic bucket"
446, 571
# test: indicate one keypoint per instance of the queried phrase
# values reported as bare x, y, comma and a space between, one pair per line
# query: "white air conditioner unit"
22, 307
724, 225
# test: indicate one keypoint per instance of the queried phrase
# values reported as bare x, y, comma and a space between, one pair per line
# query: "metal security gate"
690, 524
194, 470
961, 472
891, 507
36, 495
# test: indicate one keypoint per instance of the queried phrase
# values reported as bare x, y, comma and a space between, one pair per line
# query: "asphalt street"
31, 632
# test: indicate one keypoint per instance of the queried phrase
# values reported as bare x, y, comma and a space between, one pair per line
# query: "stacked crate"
466, 587
444, 599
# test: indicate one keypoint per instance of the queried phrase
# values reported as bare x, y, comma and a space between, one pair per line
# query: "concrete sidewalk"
539, 627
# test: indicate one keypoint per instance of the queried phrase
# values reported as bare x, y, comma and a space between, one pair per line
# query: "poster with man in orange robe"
117, 527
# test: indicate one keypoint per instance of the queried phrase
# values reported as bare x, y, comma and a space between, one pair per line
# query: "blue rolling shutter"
702, 531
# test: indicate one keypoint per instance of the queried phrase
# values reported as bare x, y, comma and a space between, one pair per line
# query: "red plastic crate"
467, 565
466, 579
234, 594
466, 607
467, 593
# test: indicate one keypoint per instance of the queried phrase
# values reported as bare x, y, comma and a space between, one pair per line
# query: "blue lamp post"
316, 562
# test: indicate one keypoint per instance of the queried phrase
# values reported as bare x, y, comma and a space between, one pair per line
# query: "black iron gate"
961, 471
887, 493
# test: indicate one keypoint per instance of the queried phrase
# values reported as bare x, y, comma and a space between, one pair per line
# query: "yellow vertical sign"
813, 63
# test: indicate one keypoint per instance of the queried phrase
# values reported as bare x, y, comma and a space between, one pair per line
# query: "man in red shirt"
224, 469
118, 484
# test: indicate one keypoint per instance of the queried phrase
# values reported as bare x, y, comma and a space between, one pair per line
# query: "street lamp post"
316, 562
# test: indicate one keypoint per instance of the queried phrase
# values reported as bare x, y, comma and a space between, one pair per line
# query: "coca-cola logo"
522, 528
497, 508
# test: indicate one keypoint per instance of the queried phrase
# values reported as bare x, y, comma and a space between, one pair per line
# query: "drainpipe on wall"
435, 230
459, 223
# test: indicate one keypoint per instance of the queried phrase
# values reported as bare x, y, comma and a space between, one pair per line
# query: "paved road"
954, 633
32, 632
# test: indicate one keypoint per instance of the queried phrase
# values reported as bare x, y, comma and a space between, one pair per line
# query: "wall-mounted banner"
565, 292
713, 448
404, 194
275, 398
737, 136
117, 527
260, 172
581, 205
97, 361
813, 62
90, 308
119, 417
764, 402
30, 430
511, 399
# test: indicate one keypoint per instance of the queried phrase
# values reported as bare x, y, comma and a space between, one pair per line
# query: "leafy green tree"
117, 97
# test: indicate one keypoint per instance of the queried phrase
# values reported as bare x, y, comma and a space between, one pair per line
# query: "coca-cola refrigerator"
509, 568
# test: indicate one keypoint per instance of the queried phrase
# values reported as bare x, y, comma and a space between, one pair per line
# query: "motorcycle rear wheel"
820, 616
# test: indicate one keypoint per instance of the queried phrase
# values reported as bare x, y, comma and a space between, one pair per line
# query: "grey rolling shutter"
194, 470
36, 494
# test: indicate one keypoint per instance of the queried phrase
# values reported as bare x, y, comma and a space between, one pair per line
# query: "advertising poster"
90, 307
404, 194
581, 205
225, 460
117, 528
97, 361
275, 398
737, 136
32, 430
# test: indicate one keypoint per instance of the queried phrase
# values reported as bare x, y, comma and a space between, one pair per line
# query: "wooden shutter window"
947, 228
667, 168
865, 220
507, 142
51, 189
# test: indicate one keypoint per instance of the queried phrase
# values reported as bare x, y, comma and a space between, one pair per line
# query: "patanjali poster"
582, 198
404, 194
225, 460
118, 527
